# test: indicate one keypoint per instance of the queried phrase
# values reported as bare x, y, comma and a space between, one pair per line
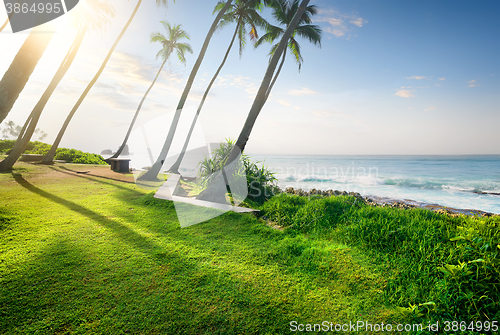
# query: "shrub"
261, 183
77, 156
37, 148
6, 145
69, 155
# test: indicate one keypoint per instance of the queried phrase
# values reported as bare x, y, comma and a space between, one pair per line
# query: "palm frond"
171, 43
310, 32
294, 48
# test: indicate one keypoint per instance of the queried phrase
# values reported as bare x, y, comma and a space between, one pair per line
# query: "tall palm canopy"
169, 44
283, 12
152, 174
299, 15
246, 15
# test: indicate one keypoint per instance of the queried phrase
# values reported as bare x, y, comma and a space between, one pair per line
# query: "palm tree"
6, 21
283, 12
264, 89
49, 157
95, 16
170, 44
245, 14
21, 68
152, 174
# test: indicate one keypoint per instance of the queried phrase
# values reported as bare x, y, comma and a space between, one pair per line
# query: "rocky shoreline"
389, 202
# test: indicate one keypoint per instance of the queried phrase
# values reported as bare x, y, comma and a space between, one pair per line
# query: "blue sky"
391, 77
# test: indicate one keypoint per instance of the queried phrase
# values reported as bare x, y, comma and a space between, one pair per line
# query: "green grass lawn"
92, 255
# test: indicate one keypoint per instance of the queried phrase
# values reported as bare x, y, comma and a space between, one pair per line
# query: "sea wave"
447, 185
314, 179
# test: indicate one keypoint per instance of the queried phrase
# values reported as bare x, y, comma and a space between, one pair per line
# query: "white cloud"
239, 82
442, 78
340, 25
302, 92
472, 83
284, 102
404, 94
430, 108
358, 22
416, 77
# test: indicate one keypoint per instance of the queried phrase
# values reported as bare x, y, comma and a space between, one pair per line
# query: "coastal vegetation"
258, 181
65, 154
99, 254
439, 267
90, 251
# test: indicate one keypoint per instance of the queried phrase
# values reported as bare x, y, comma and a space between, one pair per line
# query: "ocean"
463, 182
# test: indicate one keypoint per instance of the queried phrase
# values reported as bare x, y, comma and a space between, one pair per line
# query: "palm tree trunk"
264, 91
21, 68
7, 21
177, 164
275, 76
120, 149
49, 157
152, 174
31, 122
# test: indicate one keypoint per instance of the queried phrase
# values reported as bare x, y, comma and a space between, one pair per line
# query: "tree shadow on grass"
80, 174
96, 179
186, 287
121, 230
142, 184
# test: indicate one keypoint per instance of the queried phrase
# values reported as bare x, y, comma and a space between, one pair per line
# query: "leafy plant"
77, 156
260, 182
68, 155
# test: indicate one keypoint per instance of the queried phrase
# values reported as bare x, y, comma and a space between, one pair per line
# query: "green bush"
6, 145
261, 183
68, 155
442, 267
37, 148
77, 156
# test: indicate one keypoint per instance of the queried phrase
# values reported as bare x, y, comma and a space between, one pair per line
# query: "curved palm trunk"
275, 77
21, 68
120, 149
49, 157
31, 122
177, 164
264, 91
152, 174
5, 24
7, 21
